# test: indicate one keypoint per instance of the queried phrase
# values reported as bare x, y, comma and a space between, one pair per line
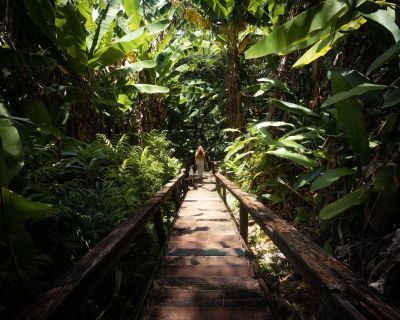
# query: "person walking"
200, 158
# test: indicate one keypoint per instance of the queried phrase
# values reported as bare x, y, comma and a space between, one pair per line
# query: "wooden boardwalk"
205, 273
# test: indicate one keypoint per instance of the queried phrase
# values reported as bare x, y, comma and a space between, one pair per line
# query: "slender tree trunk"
151, 112
236, 116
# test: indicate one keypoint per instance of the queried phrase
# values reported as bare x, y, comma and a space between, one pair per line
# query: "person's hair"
200, 150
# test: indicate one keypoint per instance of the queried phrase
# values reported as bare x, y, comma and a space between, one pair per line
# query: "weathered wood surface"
335, 283
205, 273
63, 300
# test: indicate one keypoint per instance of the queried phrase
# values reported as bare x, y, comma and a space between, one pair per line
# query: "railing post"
158, 223
185, 187
244, 223
175, 199
224, 194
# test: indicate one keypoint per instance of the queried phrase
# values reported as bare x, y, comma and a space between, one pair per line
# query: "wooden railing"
338, 287
72, 289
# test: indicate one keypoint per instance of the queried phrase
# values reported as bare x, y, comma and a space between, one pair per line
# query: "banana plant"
229, 20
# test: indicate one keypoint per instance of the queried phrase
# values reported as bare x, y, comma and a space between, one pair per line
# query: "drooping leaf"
393, 99
329, 177
132, 9
386, 18
157, 27
276, 83
71, 36
276, 197
11, 145
38, 113
328, 42
134, 67
267, 124
294, 108
349, 111
115, 51
356, 91
294, 34
19, 209
146, 88
237, 146
351, 200
388, 55
294, 156
306, 177
104, 22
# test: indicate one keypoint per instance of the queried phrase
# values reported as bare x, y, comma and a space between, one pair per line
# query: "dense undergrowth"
91, 189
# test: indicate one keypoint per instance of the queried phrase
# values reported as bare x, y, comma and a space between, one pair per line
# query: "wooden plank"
206, 236
336, 284
207, 283
203, 244
206, 270
206, 252
207, 298
72, 288
200, 232
202, 313
210, 260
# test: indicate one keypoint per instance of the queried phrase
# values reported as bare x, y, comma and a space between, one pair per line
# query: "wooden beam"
72, 289
337, 285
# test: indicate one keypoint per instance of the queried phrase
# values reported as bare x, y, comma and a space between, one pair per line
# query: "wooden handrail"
72, 289
335, 283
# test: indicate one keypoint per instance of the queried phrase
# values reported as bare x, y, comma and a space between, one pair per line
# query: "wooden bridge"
205, 272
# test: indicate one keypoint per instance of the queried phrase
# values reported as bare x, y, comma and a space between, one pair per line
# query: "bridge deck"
205, 273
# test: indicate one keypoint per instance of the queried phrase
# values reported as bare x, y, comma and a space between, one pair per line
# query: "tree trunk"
151, 112
236, 116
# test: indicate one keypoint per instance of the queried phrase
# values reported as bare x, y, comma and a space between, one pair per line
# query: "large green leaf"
328, 42
294, 108
356, 91
135, 67
386, 18
393, 99
294, 34
276, 83
388, 55
117, 50
349, 111
296, 157
267, 124
132, 9
104, 21
38, 113
276, 197
356, 198
329, 177
71, 36
146, 88
236, 147
19, 209
306, 177
11, 145
219, 7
